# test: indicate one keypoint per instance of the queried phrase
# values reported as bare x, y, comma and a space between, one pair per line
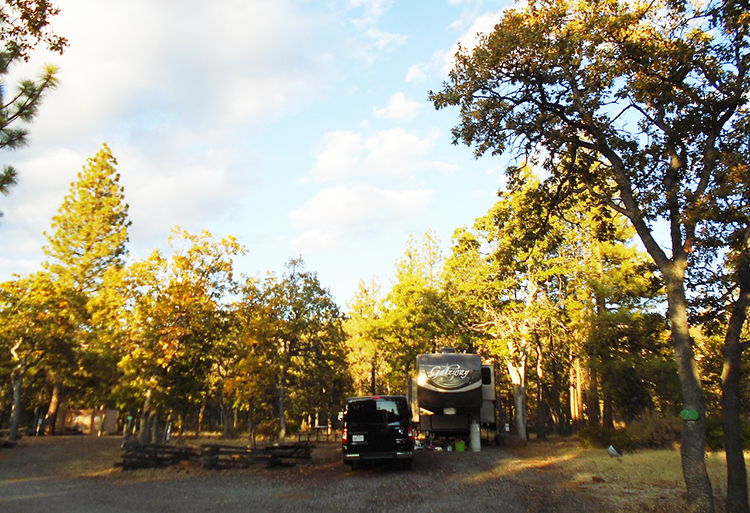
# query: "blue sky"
300, 127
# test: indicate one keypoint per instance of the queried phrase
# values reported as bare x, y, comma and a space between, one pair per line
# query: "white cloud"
385, 40
417, 72
340, 158
214, 64
373, 8
399, 108
377, 38
393, 154
43, 182
482, 25
336, 215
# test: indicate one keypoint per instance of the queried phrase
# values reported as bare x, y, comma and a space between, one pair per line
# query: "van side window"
486, 376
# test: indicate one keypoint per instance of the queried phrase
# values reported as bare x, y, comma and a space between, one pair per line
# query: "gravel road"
77, 474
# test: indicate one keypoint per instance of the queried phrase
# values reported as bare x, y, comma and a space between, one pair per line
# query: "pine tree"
91, 227
89, 239
23, 25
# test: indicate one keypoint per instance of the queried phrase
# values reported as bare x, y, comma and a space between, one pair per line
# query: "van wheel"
406, 464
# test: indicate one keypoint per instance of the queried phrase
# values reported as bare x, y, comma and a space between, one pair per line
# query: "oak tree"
630, 101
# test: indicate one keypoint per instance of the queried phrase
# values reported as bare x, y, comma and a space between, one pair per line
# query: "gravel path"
76, 474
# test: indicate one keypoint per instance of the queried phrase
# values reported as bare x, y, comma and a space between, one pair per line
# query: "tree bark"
518, 379
693, 448
519, 403
592, 397
282, 406
153, 423
541, 410
16, 379
201, 416
373, 373
731, 405
143, 429
563, 427
50, 420
576, 394
129, 425
226, 427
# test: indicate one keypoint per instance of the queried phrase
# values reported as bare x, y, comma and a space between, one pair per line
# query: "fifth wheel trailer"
453, 391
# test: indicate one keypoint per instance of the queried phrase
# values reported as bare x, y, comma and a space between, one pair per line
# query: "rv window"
486, 376
376, 411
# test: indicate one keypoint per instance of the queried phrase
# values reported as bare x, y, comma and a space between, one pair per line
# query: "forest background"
587, 327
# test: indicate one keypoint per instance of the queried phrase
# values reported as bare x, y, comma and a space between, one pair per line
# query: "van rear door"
377, 424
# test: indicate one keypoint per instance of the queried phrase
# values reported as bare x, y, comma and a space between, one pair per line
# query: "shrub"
602, 437
655, 430
715, 433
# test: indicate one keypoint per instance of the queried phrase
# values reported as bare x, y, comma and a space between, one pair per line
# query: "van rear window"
376, 411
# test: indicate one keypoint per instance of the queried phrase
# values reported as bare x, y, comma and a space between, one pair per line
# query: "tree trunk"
16, 379
519, 403
282, 406
143, 429
201, 416
50, 420
129, 425
153, 423
3, 398
541, 409
226, 427
737, 493
592, 396
181, 428
250, 426
563, 426
517, 372
608, 416
576, 394
373, 374
693, 448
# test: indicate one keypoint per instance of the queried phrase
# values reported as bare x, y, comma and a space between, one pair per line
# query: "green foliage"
293, 338
715, 433
176, 318
365, 354
604, 437
416, 317
25, 23
655, 430
620, 100
21, 108
648, 431
36, 316
90, 231
86, 250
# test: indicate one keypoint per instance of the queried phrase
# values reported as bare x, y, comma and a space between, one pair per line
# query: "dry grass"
649, 480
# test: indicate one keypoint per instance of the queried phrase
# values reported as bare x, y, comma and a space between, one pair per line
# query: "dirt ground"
77, 474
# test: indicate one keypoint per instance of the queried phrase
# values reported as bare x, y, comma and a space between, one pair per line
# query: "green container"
460, 446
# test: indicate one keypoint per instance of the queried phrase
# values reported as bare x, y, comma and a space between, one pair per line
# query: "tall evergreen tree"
90, 231
89, 238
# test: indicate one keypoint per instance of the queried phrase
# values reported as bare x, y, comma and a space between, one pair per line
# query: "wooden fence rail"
213, 456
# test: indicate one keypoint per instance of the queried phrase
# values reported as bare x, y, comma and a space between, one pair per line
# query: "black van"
377, 428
